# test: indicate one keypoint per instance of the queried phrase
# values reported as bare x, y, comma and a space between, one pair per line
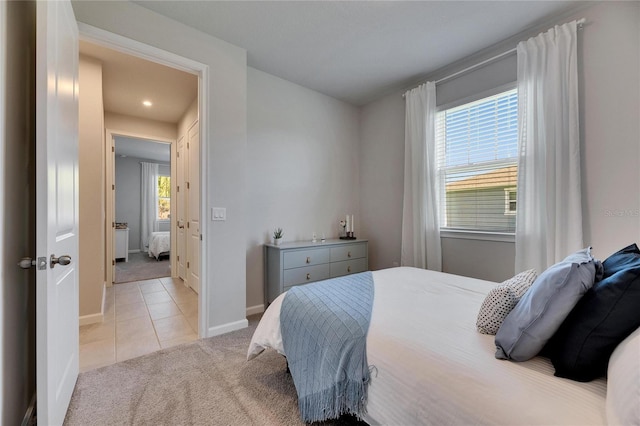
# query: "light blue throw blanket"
324, 332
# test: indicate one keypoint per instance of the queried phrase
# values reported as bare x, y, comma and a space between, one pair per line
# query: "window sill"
504, 237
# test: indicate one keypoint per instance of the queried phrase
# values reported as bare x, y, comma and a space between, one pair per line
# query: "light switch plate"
218, 213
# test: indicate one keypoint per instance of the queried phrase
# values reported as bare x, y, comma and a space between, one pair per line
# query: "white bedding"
159, 243
433, 367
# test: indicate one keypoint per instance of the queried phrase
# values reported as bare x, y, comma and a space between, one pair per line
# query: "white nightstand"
121, 246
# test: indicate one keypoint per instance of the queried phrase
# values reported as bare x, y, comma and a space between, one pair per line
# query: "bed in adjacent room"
159, 244
430, 365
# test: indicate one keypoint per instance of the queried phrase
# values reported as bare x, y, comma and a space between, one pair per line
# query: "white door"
181, 209
110, 257
193, 197
56, 208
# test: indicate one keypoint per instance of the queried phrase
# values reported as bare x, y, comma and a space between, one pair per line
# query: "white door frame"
110, 205
126, 45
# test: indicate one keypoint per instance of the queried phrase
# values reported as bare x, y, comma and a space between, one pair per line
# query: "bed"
433, 367
159, 244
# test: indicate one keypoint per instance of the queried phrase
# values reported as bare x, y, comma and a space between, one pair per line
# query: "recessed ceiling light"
147, 103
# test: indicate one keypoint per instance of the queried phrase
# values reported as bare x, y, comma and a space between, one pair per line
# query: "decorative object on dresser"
348, 229
277, 236
296, 263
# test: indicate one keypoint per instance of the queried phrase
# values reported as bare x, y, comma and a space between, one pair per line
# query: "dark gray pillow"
543, 308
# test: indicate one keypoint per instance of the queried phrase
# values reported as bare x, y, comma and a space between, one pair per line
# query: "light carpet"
207, 382
141, 267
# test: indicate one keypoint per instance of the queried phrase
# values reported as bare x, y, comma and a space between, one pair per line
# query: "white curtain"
420, 211
549, 209
148, 203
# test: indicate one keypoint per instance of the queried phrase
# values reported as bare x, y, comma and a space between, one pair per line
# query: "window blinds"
477, 149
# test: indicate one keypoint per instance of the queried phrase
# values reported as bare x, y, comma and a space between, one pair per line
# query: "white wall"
382, 178
609, 109
225, 144
302, 167
139, 126
92, 185
610, 126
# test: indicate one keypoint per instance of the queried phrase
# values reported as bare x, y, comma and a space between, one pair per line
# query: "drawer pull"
349, 254
308, 259
348, 268
308, 276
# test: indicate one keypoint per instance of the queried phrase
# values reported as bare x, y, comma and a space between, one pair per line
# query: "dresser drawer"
347, 267
347, 252
308, 274
297, 259
299, 262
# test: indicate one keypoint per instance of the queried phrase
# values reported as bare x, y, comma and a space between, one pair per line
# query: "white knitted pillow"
501, 300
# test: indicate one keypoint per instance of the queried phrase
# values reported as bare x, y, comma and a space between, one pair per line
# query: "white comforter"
159, 242
433, 367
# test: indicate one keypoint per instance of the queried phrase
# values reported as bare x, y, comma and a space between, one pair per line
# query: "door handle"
27, 262
62, 260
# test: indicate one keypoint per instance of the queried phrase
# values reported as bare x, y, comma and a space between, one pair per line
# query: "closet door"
181, 209
193, 197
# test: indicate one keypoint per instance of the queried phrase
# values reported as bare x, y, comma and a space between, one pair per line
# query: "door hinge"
178, 154
187, 265
178, 258
113, 224
113, 149
178, 188
187, 224
187, 145
200, 237
113, 187
188, 186
113, 262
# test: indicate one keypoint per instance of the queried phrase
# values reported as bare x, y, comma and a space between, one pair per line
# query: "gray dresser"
298, 263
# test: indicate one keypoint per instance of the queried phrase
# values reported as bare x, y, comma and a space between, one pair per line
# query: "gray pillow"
501, 300
542, 309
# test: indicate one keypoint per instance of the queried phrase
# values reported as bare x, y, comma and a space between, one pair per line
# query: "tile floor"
140, 317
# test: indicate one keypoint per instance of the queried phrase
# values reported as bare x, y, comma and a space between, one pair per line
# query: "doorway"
143, 314
142, 234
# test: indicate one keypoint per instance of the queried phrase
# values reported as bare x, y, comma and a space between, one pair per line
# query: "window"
510, 201
477, 152
164, 197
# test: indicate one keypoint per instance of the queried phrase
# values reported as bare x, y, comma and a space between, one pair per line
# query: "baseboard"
252, 310
28, 418
227, 328
99, 317
134, 251
91, 319
104, 297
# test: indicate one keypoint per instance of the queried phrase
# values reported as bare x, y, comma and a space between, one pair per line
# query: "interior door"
110, 257
193, 191
181, 209
56, 209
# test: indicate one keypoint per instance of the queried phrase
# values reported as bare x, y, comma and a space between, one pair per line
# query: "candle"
347, 222
353, 225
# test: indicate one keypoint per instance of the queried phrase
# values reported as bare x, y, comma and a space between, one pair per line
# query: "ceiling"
127, 81
358, 50
143, 149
